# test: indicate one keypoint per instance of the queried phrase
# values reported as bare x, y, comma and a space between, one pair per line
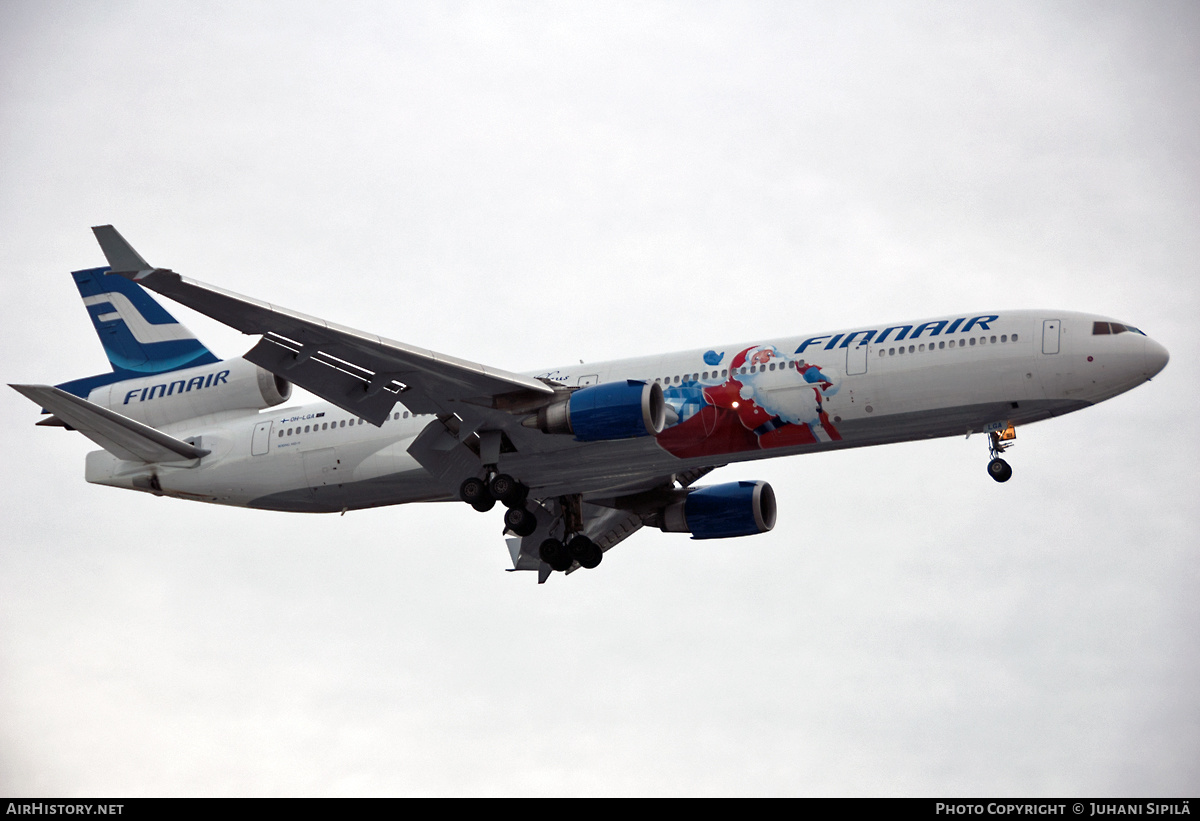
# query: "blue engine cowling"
614, 410
723, 511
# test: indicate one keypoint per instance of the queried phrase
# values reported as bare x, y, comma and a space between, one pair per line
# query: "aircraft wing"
121, 436
361, 373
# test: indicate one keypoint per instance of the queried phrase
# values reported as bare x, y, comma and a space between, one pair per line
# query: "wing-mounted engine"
614, 410
722, 511
166, 398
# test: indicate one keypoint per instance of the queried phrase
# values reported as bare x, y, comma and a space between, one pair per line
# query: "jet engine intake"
614, 410
723, 511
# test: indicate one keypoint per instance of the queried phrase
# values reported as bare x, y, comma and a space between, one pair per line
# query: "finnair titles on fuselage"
580, 456
209, 380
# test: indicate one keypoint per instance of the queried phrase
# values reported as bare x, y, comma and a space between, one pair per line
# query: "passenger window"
891, 351
951, 343
972, 340
1014, 337
993, 340
280, 434
1003, 337
912, 348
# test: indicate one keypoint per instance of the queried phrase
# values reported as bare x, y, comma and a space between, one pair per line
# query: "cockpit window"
1099, 328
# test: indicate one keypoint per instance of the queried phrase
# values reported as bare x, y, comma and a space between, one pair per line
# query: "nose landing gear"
998, 442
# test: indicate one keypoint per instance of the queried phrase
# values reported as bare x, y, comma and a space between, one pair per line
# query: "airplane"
580, 456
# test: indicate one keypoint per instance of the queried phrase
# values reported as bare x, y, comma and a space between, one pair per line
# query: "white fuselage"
863, 386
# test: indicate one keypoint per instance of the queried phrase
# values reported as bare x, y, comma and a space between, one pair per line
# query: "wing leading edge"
361, 373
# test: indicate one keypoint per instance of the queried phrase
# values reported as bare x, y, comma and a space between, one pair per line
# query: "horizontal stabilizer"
119, 435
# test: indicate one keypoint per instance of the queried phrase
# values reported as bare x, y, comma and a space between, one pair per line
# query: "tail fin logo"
141, 329
137, 333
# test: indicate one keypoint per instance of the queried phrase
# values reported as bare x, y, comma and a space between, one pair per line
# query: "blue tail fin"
138, 334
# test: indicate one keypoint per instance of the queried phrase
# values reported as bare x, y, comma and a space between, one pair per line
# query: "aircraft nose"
1156, 358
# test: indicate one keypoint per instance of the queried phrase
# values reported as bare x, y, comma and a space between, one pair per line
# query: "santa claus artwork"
769, 400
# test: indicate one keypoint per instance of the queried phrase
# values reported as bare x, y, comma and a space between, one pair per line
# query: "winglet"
122, 259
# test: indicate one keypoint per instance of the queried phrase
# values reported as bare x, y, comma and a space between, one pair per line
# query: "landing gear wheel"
999, 470
554, 553
484, 505
508, 490
585, 551
474, 491
520, 521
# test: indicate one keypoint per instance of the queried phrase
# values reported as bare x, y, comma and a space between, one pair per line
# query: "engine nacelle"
722, 511
175, 396
614, 410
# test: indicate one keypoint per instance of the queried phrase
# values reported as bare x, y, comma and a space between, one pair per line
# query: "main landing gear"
502, 488
560, 554
579, 548
574, 547
998, 442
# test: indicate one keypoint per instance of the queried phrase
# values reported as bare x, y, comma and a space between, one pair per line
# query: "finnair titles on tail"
579, 456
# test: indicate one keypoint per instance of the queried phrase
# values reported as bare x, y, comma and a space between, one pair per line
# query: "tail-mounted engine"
614, 410
166, 398
722, 511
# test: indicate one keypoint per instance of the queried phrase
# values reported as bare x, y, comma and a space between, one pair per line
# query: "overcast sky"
532, 184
